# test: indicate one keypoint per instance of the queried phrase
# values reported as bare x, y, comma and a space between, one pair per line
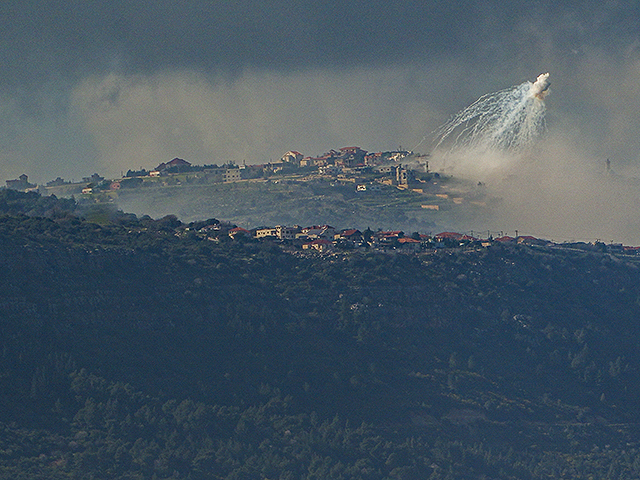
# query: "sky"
96, 86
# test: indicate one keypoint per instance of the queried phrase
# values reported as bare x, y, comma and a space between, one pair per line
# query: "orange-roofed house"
239, 232
408, 243
320, 244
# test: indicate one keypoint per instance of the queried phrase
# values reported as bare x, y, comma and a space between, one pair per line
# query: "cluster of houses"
321, 238
352, 161
327, 239
347, 164
133, 178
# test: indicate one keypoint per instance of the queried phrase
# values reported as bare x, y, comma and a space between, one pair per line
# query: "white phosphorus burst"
507, 120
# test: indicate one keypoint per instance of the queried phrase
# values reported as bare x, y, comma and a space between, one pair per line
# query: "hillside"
130, 352
289, 202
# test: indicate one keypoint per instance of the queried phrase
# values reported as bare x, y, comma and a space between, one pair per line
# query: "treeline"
129, 352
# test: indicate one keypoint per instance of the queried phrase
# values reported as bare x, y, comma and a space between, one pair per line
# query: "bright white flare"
503, 121
540, 87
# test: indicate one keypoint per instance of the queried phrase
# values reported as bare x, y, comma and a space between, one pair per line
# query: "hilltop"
394, 190
130, 350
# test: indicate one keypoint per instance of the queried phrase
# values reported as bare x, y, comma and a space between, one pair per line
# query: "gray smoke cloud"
97, 86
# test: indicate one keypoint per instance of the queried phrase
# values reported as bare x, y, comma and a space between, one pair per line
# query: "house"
529, 240
352, 151
231, 175
292, 157
468, 238
411, 244
319, 231
325, 159
386, 238
373, 158
448, 239
505, 239
329, 170
350, 238
95, 179
403, 176
57, 182
351, 156
448, 236
177, 165
389, 235
262, 232
350, 234
21, 183
320, 244
287, 233
239, 232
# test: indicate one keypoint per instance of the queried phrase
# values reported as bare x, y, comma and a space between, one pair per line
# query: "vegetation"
288, 202
127, 351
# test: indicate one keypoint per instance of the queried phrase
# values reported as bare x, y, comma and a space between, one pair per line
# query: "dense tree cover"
127, 351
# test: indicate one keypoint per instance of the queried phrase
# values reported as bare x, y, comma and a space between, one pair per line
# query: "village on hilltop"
366, 172
326, 239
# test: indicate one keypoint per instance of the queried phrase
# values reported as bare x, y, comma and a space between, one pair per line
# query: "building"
319, 231
176, 165
411, 244
95, 179
238, 232
262, 232
287, 233
281, 232
231, 175
292, 157
320, 244
350, 237
21, 183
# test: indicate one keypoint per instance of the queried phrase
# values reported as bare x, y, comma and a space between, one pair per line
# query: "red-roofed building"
529, 240
352, 150
408, 243
292, 157
239, 232
448, 236
176, 163
505, 239
350, 157
373, 158
350, 237
320, 244
349, 233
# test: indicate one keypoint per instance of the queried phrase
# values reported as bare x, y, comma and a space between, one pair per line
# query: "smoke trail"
507, 120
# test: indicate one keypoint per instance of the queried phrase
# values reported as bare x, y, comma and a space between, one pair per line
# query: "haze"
103, 87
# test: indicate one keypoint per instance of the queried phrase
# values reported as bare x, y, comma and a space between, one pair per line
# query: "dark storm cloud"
42, 41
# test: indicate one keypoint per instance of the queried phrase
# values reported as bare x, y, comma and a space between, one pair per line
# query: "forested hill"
129, 352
